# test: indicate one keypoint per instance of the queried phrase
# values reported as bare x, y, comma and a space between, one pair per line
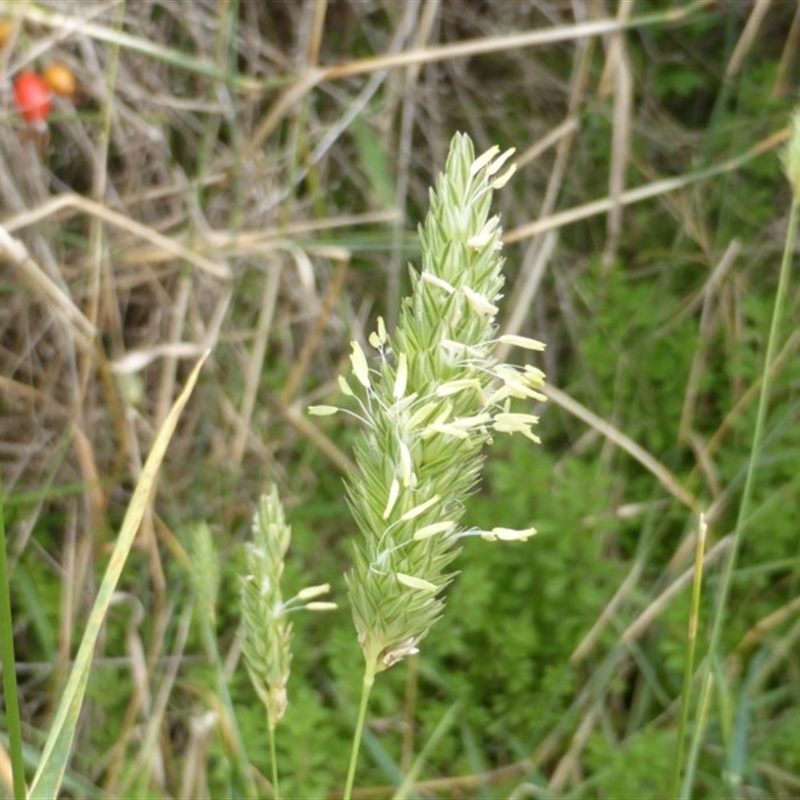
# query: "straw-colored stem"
366, 689
744, 506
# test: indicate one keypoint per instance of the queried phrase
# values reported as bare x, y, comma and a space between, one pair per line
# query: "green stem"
366, 689
273, 757
9, 665
744, 506
688, 671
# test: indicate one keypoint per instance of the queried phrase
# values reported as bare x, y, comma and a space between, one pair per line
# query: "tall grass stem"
273, 757
688, 672
366, 690
747, 493
9, 665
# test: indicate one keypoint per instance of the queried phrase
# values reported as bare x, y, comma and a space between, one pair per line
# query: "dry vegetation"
246, 177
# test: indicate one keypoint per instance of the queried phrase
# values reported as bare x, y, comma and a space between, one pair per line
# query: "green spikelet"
429, 403
268, 631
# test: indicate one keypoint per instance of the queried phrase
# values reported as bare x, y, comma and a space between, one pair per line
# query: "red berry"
33, 97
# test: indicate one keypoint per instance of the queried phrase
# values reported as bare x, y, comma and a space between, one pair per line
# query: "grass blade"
9, 664
407, 786
57, 750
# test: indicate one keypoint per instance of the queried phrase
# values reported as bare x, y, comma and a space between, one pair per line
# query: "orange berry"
60, 79
5, 31
33, 97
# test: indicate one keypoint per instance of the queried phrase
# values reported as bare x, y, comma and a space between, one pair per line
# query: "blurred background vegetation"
248, 175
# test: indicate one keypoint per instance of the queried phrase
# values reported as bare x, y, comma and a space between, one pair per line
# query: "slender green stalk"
273, 757
9, 665
792, 167
366, 690
688, 670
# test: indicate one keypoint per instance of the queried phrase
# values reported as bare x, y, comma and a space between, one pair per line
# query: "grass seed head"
267, 629
428, 412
